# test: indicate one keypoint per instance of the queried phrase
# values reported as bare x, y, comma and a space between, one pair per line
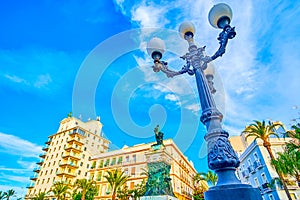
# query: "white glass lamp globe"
156, 48
220, 15
210, 70
186, 28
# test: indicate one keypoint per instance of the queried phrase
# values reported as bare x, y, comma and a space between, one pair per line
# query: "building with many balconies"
67, 154
256, 168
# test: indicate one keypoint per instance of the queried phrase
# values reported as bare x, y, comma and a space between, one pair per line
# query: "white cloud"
171, 97
194, 108
16, 79
42, 81
14, 145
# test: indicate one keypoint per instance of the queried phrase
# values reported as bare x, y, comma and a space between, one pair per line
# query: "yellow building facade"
133, 161
67, 154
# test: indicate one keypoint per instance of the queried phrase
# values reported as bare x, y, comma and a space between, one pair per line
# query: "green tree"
123, 193
294, 144
2, 195
288, 163
40, 196
60, 190
200, 186
87, 187
263, 131
116, 178
210, 177
139, 190
10, 193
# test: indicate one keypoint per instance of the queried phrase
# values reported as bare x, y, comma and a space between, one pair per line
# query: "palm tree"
263, 131
200, 186
40, 196
288, 163
85, 186
116, 178
2, 194
9, 193
294, 144
60, 190
210, 177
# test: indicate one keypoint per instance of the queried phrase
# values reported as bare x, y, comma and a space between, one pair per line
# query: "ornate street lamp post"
221, 156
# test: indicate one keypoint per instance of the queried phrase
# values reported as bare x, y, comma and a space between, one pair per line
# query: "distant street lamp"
221, 156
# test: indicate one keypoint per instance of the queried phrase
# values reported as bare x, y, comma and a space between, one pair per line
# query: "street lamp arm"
163, 66
227, 33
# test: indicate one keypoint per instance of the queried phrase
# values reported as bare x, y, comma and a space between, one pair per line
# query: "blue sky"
90, 58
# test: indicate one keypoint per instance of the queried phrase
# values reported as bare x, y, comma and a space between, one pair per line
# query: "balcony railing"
73, 156
37, 169
68, 174
45, 148
257, 164
31, 185
266, 187
251, 169
245, 173
70, 164
40, 162
33, 177
49, 141
42, 155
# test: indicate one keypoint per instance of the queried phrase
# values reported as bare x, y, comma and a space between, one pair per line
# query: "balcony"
266, 188
31, 185
33, 177
257, 164
251, 169
67, 174
68, 164
71, 156
46, 148
75, 140
40, 162
49, 141
245, 174
37, 169
74, 149
42, 155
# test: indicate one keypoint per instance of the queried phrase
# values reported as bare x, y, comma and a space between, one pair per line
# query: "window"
271, 197
249, 162
51, 171
131, 185
48, 180
255, 156
79, 172
256, 182
134, 158
132, 171
264, 178
46, 172
53, 163
127, 158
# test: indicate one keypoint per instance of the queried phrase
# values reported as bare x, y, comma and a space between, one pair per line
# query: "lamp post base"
233, 191
159, 197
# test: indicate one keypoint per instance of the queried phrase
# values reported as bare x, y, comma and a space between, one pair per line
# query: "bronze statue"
158, 136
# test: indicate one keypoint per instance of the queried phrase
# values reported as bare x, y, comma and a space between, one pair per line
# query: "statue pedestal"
158, 186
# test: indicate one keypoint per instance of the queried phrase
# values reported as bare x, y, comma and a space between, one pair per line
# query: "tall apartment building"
132, 160
256, 168
67, 154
